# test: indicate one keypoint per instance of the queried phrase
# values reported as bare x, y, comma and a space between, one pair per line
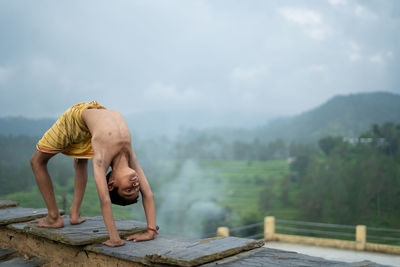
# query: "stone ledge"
23, 261
65, 246
5, 253
64, 255
274, 257
18, 214
9, 258
179, 251
5, 203
91, 231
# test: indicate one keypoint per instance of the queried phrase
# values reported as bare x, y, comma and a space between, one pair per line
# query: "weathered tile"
178, 251
274, 257
91, 231
4, 253
363, 264
5, 203
18, 214
137, 251
23, 261
206, 250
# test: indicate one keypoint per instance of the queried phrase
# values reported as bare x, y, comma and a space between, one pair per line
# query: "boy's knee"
37, 161
34, 160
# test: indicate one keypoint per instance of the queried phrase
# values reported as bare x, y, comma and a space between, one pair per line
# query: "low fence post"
269, 227
361, 237
222, 231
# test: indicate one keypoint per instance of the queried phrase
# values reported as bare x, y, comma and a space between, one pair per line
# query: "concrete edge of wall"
335, 243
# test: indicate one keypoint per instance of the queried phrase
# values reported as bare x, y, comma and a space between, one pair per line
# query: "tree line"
344, 182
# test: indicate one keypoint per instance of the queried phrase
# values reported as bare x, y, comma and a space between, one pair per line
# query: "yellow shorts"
70, 135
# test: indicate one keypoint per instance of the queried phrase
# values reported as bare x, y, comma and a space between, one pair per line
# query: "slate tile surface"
137, 251
22, 261
274, 257
18, 214
178, 251
91, 231
5, 203
4, 253
364, 264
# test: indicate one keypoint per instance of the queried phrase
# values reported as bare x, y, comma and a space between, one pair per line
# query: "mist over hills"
172, 123
345, 115
25, 126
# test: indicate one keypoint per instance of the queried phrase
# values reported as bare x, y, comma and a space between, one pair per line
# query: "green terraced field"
244, 181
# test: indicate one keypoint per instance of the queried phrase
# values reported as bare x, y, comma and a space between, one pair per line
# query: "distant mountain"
24, 126
149, 124
347, 115
172, 123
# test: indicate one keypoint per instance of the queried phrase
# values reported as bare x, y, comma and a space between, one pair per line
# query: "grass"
245, 180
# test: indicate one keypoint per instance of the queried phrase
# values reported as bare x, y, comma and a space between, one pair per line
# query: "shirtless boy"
88, 130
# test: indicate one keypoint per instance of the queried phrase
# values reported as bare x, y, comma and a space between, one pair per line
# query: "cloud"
317, 33
319, 68
250, 74
365, 13
165, 95
310, 21
42, 67
218, 55
354, 57
389, 54
301, 16
354, 54
5, 74
380, 57
337, 2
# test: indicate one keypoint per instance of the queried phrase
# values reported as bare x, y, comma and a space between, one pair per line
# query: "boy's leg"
81, 175
39, 166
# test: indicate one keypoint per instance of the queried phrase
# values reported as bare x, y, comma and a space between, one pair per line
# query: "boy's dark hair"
116, 198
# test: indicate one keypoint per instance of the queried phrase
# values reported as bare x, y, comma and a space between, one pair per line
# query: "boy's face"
127, 182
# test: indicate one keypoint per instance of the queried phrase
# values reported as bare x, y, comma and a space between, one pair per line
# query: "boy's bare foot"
116, 243
51, 223
75, 217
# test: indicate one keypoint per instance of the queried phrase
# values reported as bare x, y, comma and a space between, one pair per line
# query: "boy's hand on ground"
116, 243
142, 237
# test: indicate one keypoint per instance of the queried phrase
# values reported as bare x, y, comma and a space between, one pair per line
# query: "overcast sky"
256, 57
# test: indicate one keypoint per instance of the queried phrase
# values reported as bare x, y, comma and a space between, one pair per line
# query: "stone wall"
23, 243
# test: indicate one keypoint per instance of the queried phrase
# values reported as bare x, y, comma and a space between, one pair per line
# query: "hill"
345, 115
348, 115
24, 126
153, 124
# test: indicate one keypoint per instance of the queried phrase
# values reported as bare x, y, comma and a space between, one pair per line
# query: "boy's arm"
99, 168
147, 200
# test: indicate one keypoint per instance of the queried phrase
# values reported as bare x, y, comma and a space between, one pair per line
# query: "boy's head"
121, 187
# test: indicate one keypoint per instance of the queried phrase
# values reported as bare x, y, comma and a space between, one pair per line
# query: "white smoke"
190, 201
